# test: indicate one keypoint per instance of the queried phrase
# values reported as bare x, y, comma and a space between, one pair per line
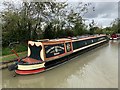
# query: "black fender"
12, 67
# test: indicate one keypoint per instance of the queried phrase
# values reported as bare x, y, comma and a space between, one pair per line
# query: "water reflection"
95, 69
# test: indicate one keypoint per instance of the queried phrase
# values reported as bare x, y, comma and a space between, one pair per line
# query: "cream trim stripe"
30, 67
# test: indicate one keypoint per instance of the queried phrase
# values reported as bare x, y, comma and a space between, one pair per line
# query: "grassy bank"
17, 48
12, 56
7, 55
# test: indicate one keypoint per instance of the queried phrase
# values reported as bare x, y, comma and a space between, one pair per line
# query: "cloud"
104, 14
101, 22
92, 0
103, 10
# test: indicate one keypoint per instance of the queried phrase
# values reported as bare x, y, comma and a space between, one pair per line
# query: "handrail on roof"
69, 38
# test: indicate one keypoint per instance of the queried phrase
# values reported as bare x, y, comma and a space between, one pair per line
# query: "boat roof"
68, 39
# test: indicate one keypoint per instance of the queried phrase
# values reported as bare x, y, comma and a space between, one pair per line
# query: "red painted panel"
25, 72
31, 60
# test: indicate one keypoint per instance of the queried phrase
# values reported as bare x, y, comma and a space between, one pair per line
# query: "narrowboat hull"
115, 38
28, 72
34, 68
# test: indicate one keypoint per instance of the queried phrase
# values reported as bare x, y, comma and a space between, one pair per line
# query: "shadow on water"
92, 69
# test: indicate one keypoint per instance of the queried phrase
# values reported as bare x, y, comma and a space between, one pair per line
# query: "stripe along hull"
57, 53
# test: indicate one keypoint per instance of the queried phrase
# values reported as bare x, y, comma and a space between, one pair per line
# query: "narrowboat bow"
46, 54
115, 37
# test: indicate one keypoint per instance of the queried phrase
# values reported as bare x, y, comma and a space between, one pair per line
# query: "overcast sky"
105, 12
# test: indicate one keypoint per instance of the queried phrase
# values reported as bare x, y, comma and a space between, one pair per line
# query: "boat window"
78, 44
54, 50
68, 47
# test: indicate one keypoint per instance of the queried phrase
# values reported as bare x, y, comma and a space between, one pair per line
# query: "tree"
49, 33
16, 26
75, 20
33, 19
92, 29
116, 26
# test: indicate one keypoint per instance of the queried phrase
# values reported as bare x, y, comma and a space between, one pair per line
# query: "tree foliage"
37, 20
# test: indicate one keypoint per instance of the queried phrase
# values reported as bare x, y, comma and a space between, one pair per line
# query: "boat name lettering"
57, 48
50, 49
56, 53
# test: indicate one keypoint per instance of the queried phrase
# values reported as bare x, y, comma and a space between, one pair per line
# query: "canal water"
94, 69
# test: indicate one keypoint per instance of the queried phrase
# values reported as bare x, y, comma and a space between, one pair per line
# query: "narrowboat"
44, 55
115, 37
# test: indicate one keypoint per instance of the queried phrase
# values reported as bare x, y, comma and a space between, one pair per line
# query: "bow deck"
31, 60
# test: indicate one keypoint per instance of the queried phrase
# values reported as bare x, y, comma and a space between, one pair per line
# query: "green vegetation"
17, 48
39, 20
46, 20
12, 56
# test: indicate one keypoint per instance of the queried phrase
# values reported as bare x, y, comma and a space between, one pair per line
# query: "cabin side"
49, 50
83, 43
57, 48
